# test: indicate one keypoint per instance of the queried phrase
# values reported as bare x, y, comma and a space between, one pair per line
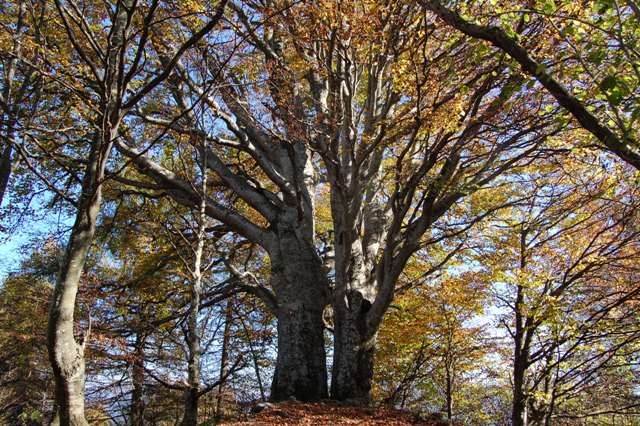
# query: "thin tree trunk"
137, 377
6, 168
449, 393
518, 414
519, 370
520, 353
65, 354
254, 357
226, 337
10, 105
550, 409
192, 392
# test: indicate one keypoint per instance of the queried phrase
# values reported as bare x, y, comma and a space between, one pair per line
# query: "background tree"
97, 76
587, 59
563, 245
432, 347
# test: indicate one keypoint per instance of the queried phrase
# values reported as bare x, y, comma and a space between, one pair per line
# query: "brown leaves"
329, 413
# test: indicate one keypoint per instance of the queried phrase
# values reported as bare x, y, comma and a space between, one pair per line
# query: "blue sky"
16, 244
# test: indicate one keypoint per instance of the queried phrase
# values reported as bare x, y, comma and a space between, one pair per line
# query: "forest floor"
329, 413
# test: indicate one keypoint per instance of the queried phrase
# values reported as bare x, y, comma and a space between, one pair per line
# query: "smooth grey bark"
192, 393
354, 341
65, 354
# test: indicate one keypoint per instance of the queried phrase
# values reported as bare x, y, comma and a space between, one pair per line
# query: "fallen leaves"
331, 413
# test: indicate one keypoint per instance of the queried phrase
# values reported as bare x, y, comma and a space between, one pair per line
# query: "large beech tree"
374, 105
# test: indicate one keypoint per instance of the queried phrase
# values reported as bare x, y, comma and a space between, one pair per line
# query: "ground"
329, 413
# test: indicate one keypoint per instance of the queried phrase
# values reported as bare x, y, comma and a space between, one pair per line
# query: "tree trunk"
449, 392
521, 340
6, 167
226, 337
518, 414
12, 104
352, 370
191, 399
137, 377
254, 357
193, 334
302, 291
65, 354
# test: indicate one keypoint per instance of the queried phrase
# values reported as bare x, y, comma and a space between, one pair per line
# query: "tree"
354, 171
431, 346
613, 116
553, 261
21, 90
108, 63
397, 154
24, 376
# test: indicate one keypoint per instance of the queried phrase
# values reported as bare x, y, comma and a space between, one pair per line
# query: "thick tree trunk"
302, 291
301, 369
352, 370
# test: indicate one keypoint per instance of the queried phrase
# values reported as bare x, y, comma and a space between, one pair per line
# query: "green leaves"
615, 89
596, 56
608, 83
602, 6
549, 6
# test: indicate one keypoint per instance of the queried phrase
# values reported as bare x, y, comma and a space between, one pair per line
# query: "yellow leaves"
323, 216
433, 322
191, 13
